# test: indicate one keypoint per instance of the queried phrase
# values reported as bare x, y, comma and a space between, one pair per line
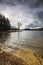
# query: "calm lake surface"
30, 39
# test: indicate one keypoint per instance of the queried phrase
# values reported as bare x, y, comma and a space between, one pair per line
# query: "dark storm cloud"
29, 3
36, 3
9, 2
40, 15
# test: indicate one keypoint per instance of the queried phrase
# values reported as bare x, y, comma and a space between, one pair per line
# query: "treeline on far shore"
34, 29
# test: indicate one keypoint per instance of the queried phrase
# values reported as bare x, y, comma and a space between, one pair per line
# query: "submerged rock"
7, 59
19, 56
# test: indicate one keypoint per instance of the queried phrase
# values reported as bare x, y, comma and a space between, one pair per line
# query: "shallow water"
30, 39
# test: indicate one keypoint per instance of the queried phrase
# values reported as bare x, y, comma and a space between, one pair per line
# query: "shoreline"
24, 56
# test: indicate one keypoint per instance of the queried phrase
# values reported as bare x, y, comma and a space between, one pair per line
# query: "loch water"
29, 39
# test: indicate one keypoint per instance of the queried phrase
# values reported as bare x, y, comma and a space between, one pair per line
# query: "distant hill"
34, 29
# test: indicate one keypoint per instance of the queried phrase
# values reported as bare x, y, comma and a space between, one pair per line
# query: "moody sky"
28, 12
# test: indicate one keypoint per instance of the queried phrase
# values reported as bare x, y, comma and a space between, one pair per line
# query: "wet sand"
19, 56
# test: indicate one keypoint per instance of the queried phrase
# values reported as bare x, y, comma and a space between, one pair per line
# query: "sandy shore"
19, 56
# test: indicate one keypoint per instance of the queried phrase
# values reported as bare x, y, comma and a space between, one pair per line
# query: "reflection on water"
4, 37
30, 39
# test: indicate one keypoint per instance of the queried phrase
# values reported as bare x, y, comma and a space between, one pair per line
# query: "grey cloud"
35, 24
29, 3
40, 15
32, 25
9, 2
36, 3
